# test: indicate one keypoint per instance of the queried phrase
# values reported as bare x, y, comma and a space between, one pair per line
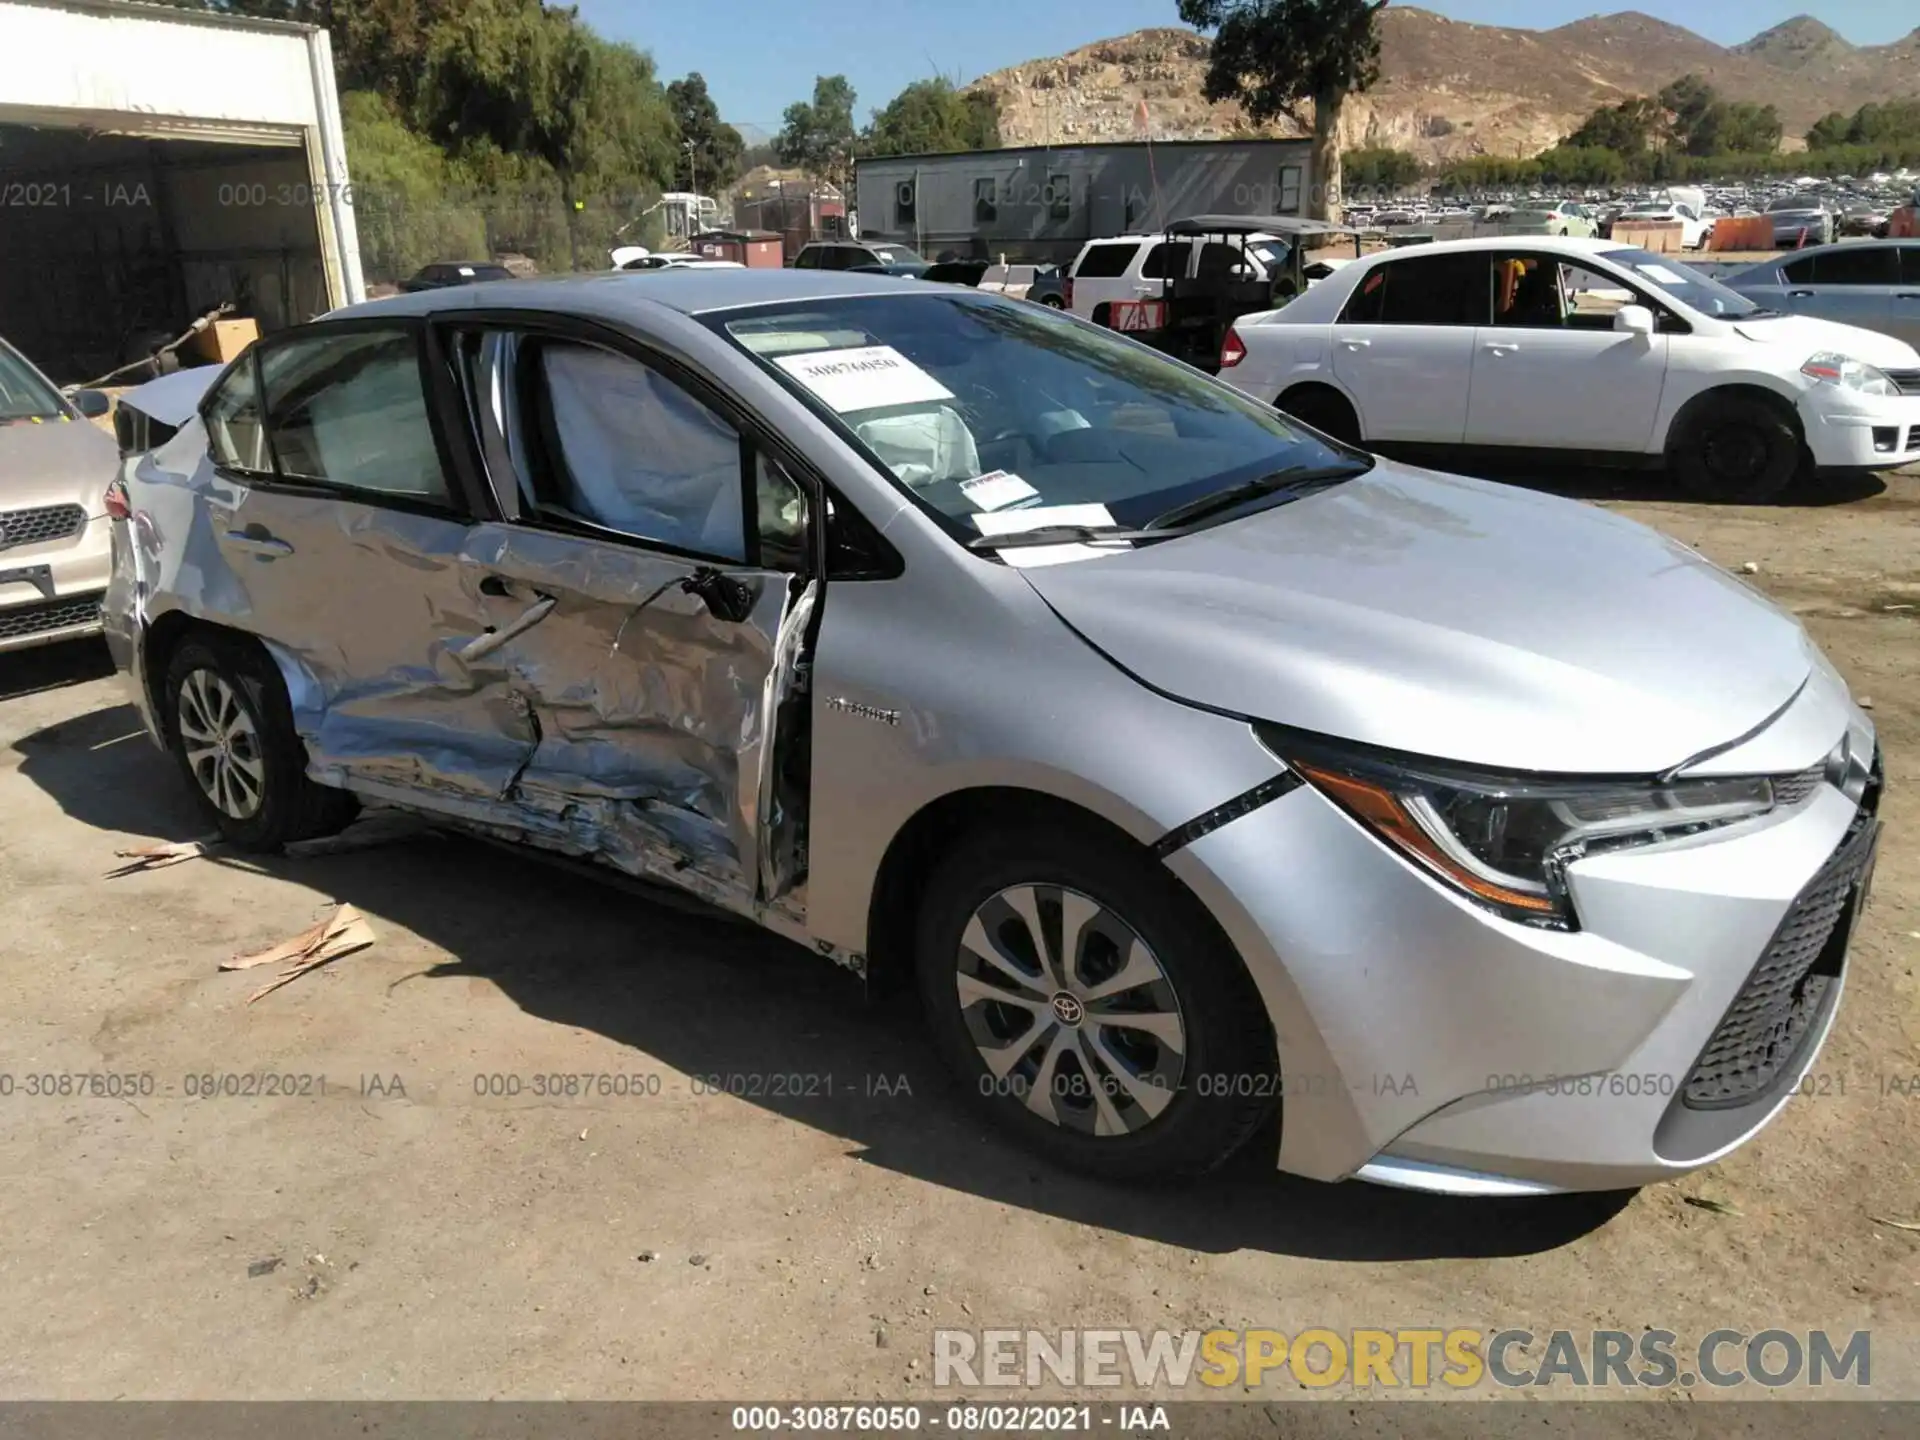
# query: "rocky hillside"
1449, 88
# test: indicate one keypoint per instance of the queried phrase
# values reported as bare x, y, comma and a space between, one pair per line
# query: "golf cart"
1241, 264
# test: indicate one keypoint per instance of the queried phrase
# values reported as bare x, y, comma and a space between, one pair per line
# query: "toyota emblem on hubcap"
1067, 1009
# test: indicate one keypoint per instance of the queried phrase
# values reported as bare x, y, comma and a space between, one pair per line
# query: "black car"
867, 255
956, 272
455, 272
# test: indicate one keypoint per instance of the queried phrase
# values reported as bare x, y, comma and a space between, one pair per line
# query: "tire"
253, 787
1735, 448
1325, 410
1053, 302
1211, 1049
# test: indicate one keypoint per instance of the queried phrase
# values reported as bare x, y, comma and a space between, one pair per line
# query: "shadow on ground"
711, 997
53, 667
1592, 482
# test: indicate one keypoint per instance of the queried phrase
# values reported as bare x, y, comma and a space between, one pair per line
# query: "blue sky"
761, 55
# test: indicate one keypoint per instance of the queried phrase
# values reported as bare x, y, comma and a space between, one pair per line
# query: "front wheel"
230, 729
1736, 448
1090, 1007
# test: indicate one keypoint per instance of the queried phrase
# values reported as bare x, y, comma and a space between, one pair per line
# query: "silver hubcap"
1070, 1010
223, 748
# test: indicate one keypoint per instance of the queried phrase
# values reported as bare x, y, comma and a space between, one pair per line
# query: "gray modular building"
1042, 202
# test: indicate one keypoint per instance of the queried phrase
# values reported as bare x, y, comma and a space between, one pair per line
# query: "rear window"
1103, 262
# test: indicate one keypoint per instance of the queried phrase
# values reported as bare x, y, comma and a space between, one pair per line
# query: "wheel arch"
1745, 388
166, 633
1322, 385
944, 822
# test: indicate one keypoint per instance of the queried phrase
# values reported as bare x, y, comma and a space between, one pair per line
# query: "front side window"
974, 405
1166, 261
346, 409
1855, 265
807, 259
628, 450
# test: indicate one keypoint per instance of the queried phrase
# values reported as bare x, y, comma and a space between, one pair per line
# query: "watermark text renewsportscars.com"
1400, 1359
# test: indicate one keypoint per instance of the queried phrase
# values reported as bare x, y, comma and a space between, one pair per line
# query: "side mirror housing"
91, 403
1634, 320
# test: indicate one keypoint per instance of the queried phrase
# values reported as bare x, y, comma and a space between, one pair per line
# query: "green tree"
819, 137
934, 117
1379, 170
404, 207
1626, 128
1275, 56
711, 151
1829, 130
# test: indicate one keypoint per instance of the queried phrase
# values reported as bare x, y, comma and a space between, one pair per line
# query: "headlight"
1506, 841
1830, 367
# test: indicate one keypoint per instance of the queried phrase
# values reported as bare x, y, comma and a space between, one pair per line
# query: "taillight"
117, 504
1232, 350
1066, 291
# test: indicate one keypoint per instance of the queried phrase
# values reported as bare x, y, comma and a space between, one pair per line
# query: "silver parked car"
1873, 284
1801, 220
1192, 762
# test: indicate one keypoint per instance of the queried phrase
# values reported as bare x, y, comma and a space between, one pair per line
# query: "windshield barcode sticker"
996, 490
863, 379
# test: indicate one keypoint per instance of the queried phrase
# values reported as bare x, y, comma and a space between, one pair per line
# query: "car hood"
1808, 333
55, 462
1446, 617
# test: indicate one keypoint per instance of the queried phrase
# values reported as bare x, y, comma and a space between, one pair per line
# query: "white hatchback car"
1582, 346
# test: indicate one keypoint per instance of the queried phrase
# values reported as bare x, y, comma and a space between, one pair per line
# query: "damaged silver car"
1193, 762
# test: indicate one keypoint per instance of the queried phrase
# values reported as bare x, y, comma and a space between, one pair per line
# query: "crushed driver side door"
648, 591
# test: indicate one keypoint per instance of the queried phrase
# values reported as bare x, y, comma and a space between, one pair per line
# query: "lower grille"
1790, 790
1913, 437
1770, 1022
45, 616
47, 522
1906, 381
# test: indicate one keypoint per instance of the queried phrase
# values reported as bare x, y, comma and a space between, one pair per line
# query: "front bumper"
1428, 1044
50, 590
1867, 433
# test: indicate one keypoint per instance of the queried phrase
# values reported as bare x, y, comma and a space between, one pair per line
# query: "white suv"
1138, 267
1584, 346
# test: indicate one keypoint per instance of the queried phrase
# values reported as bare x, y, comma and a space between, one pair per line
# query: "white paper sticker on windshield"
996, 490
1660, 275
863, 379
1015, 521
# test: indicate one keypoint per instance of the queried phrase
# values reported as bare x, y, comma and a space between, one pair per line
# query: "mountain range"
1448, 88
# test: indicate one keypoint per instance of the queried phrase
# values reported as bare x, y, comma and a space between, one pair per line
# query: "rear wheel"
231, 732
1053, 302
1735, 447
1089, 1007
1325, 410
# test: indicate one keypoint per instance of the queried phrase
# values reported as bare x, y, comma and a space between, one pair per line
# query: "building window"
986, 204
903, 202
1289, 190
1059, 196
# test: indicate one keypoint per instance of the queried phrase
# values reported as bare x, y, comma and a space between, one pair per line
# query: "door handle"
488, 641
258, 542
1907, 295
1502, 347
1356, 344
1800, 294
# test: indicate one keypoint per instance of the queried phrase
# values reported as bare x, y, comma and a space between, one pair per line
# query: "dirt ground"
408, 1234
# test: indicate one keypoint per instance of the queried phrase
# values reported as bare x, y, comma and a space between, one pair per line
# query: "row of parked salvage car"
1184, 756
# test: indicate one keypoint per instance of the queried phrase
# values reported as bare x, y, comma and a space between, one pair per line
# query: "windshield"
1270, 253
1683, 283
1792, 202
24, 395
977, 406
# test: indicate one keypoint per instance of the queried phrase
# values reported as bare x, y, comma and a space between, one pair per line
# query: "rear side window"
347, 410
1103, 262
1167, 260
1424, 290
235, 437
1910, 264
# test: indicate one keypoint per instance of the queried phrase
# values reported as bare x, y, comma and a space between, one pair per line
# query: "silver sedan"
1191, 762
